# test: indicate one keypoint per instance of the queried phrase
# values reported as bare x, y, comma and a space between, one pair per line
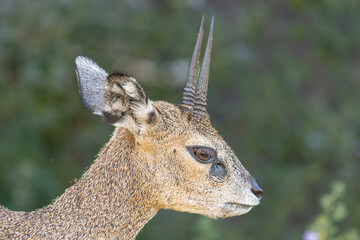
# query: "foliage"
283, 92
334, 211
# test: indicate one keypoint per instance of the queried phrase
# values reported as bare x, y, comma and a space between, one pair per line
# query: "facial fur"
161, 155
187, 184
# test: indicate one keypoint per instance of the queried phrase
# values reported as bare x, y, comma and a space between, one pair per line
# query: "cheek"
184, 167
190, 175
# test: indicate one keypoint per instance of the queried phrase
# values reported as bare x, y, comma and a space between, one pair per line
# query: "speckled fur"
143, 168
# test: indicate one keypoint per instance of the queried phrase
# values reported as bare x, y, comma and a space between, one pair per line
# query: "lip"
238, 205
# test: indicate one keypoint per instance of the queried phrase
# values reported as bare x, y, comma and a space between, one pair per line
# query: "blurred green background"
284, 93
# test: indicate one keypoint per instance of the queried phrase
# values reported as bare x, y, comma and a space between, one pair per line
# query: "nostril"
257, 193
255, 188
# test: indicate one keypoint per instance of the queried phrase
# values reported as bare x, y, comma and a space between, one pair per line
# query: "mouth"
239, 205
235, 209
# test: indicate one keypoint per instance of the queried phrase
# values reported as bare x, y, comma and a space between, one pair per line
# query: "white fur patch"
129, 123
142, 111
131, 89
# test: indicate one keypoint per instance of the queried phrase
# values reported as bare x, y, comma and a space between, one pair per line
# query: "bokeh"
284, 93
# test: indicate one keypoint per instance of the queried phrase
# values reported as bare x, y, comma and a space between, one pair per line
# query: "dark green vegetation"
284, 92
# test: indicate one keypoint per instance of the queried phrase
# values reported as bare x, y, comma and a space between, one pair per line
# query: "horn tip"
212, 22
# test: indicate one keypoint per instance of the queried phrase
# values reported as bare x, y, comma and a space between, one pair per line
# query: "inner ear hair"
125, 103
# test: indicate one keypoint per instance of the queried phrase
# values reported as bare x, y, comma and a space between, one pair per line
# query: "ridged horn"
199, 108
191, 76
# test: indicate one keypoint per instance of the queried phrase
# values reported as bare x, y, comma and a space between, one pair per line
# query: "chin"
234, 209
226, 210
238, 212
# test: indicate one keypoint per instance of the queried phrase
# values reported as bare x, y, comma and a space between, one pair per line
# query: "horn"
199, 108
191, 77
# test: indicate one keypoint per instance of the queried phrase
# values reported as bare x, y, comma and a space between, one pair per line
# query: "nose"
255, 188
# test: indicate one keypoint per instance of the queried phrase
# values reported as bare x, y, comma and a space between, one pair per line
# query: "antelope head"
186, 163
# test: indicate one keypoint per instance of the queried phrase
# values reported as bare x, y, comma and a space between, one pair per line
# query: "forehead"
177, 120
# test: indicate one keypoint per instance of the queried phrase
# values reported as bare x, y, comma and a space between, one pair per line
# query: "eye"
203, 154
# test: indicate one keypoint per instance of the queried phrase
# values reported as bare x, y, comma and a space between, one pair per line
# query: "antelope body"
161, 155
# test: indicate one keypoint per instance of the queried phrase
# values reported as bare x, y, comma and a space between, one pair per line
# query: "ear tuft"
92, 80
125, 104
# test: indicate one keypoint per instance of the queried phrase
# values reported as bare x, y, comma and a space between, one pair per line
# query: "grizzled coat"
161, 155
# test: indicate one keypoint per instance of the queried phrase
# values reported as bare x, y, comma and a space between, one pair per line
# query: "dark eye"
203, 154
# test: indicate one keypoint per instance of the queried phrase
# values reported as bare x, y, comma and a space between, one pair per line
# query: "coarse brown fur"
149, 163
132, 178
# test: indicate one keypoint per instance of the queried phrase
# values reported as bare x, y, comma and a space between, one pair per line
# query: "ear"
92, 80
118, 97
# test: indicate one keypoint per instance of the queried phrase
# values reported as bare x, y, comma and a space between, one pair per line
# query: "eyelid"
210, 150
